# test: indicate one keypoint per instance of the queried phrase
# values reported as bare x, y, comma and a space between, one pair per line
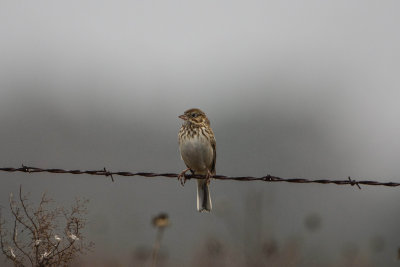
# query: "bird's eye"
194, 115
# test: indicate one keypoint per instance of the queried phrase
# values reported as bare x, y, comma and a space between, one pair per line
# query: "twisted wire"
267, 178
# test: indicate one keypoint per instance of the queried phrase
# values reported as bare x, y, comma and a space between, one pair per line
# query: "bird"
198, 151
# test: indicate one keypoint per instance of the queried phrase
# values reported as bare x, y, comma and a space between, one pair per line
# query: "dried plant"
160, 221
44, 235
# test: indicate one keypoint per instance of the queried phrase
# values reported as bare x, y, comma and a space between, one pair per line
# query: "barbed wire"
267, 178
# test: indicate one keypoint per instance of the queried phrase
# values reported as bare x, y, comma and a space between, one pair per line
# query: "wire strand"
267, 178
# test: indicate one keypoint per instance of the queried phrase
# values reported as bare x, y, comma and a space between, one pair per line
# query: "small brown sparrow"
198, 151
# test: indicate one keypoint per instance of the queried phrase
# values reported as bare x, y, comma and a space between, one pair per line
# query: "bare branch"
16, 244
26, 212
17, 216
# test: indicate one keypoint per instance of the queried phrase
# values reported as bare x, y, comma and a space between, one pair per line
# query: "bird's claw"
182, 177
208, 177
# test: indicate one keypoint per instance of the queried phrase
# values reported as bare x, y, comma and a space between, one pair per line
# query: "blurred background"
292, 88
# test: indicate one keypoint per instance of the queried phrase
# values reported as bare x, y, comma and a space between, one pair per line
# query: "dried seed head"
161, 220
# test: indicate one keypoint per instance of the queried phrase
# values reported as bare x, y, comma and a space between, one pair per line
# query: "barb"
268, 178
107, 173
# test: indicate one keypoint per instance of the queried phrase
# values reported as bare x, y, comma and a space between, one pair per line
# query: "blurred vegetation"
251, 241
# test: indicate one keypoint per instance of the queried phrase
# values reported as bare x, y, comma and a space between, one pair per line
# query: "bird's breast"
197, 153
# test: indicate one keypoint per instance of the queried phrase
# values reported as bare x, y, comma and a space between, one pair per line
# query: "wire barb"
354, 182
107, 173
24, 168
267, 178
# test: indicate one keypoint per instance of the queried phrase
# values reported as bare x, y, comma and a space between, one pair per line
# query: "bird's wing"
214, 148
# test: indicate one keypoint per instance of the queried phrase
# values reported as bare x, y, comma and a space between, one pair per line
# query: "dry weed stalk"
160, 221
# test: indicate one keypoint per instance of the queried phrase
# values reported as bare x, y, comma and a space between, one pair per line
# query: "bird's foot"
182, 176
208, 177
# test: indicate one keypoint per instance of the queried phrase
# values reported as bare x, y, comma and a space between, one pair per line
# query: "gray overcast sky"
292, 88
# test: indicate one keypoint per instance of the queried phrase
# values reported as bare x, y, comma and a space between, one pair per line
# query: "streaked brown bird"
198, 151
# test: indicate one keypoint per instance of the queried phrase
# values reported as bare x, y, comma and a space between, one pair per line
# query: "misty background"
304, 89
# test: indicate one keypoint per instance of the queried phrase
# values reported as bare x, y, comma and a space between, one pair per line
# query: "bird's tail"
203, 196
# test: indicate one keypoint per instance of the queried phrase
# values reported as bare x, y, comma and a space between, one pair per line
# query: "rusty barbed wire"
267, 178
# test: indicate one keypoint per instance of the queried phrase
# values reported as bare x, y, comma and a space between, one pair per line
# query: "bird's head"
195, 116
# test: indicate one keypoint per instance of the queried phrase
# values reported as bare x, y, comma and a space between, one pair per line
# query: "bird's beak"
183, 117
